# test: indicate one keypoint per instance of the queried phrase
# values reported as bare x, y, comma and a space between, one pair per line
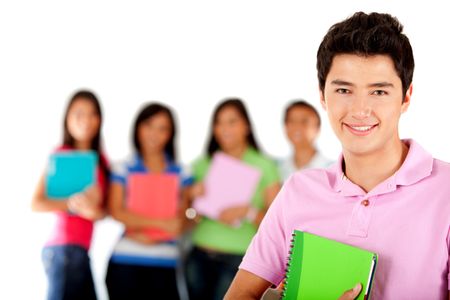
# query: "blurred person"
141, 267
302, 127
65, 255
219, 245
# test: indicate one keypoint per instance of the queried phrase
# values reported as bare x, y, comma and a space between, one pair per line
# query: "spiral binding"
288, 268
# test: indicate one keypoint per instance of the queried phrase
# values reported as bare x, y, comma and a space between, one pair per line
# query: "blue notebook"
70, 172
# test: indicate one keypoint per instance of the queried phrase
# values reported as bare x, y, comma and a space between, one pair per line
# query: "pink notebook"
154, 196
229, 182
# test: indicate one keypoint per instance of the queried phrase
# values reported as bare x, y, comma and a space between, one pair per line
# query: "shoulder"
201, 162
62, 148
122, 167
179, 169
441, 166
441, 172
182, 172
103, 158
259, 159
313, 178
199, 167
174, 167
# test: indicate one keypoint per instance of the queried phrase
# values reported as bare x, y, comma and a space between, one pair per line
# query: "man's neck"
303, 155
369, 170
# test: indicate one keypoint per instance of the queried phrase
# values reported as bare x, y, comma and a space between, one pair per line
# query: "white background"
190, 55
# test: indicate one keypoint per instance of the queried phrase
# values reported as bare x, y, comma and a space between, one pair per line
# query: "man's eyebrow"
341, 82
381, 84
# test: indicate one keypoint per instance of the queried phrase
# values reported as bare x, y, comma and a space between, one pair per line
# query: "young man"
302, 127
384, 194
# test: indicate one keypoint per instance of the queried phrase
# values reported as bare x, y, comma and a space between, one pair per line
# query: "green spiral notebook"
319, 268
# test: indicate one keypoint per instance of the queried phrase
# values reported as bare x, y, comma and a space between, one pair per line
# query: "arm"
40, 202
189, 221
269, 195
86, 204
188, 196
265, 260
246, 286
131, 220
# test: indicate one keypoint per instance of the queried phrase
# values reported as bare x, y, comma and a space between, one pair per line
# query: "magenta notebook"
229, 182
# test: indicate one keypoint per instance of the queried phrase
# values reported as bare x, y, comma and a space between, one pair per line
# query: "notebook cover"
319, 268
70, 172
229, 182
154, 196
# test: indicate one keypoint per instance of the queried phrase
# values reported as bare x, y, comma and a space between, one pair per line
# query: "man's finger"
351, 294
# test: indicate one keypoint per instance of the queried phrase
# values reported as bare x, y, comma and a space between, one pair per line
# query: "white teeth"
361, 128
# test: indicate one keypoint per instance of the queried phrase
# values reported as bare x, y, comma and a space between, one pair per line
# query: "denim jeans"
68, 272
209, 274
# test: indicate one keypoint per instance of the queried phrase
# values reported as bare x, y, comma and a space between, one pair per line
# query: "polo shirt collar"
139, 165
418, 165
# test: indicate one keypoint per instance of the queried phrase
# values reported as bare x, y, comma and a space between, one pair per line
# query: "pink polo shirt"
406, 221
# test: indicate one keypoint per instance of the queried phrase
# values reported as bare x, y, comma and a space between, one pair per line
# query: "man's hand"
351, 294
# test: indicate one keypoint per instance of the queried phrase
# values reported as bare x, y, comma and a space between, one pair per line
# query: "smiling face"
364, 100
83, 121
302, 126
230, 129
154, 133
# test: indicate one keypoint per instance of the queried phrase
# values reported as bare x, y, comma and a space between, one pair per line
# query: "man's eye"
342, 91
379, 93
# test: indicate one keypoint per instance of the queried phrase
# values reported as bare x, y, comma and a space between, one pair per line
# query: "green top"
215, 235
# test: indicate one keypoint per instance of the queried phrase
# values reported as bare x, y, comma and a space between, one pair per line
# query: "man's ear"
407, 99
322, 99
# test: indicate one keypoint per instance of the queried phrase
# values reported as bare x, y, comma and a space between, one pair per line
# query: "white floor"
21, 272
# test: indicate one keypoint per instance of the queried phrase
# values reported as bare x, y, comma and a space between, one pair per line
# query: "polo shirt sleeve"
186, 176
119, 172
448, 259
267, 254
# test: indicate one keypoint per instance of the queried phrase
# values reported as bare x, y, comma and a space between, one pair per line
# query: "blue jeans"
209, 274
69, 273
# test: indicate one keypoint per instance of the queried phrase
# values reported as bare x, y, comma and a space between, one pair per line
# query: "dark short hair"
148, 112
367, 35
301, 104
239, 106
